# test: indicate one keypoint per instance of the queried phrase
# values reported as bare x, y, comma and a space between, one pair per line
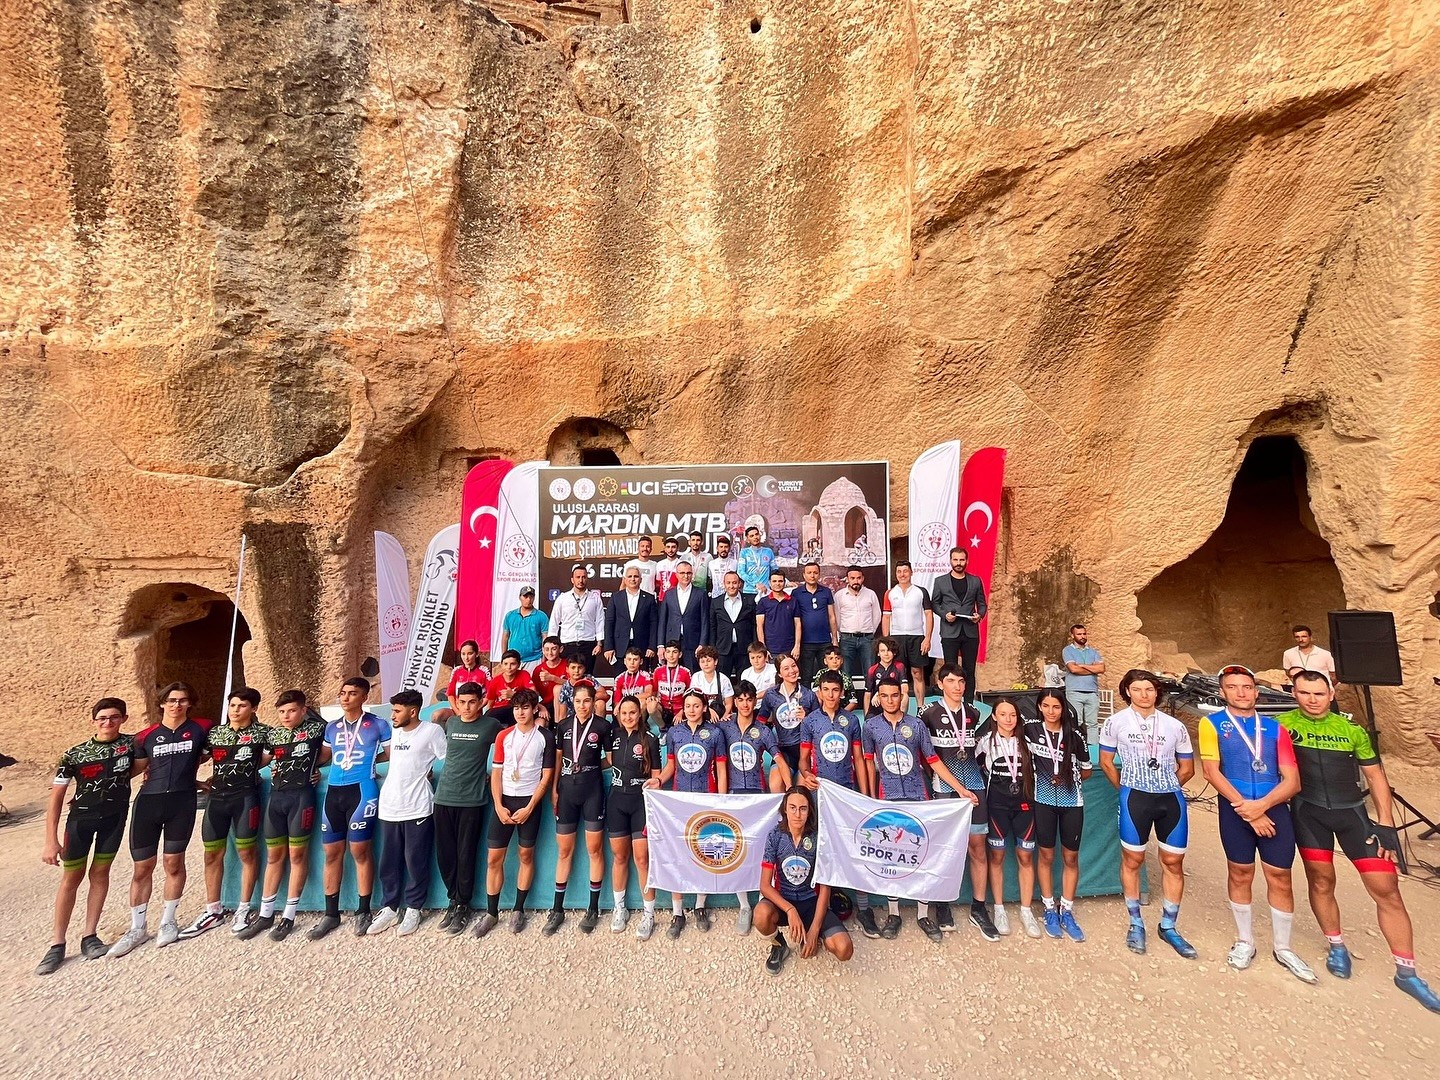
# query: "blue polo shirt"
779, 622
1080, 684
747, 750
831, 743
814, 611
527, 633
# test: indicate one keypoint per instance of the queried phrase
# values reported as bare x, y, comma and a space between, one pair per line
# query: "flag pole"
234, 627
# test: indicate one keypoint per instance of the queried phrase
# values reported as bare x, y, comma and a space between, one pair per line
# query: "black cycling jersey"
101, 771
594, 738
235, 754
294, 753
634, 756
174, 756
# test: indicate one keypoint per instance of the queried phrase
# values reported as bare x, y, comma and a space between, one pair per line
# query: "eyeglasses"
109, 718
1235, 669
177, 701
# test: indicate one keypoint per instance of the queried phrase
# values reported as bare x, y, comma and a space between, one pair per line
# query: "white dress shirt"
578, 617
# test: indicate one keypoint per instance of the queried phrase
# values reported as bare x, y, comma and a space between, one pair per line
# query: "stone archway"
587, 440
1265, 567
180, 632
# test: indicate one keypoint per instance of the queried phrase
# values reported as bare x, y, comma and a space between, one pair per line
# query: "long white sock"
292, 905
700, 898
1244, 922
744, 898
619, 899
1281, 923
137, 916
267, 905
1048, 902
677, 904
172, 909
894, 906
922, 910
649, 907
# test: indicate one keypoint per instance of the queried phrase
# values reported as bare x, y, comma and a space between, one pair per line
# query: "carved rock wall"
288, 265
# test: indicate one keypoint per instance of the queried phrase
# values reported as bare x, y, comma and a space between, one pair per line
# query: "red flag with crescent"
981, 483
479, 520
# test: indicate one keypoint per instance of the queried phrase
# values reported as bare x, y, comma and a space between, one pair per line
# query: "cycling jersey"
898, 750
235, 754
848, 698
954, 737
582, 744
522, 758
831, 742
632, 757
784, 711
1253, 768
101, 771
565, 694
637, 684
294, 753
354, 748
789, 865
670, 685
746, 749
1004, 769
1147, 749
694, 752
754, 564
1329, 751
1047, 752
174, 756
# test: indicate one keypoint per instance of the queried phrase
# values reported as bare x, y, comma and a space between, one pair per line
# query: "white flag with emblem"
434, 610
914, 850
934, 514
708, 843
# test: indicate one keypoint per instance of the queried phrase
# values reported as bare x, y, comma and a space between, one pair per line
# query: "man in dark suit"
631, 618
732, 625
685, 615
959, 602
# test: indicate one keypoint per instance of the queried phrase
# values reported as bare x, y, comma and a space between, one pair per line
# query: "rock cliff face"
292, 266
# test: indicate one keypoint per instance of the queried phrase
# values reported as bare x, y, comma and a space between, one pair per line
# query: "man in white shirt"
720, 564
644, 564
578, 619
699, 558
1307, 656
857, 611
909, 619
665, 569
407, 814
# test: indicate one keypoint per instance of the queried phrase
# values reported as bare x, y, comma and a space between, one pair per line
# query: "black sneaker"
553, 922
778, 952
866, 918
589, 920
459, 921
891, 930
256, 926
944, 917
92, 948
980, 918
363, 919
327, 925
282, 929
930, 930
677, 927
702, 918
54, 957
449, 916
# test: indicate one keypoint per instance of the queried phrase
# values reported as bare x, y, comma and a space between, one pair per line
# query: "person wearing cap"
524, 628
1250, 760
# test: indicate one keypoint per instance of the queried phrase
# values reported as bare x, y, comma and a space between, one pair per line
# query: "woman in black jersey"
1010, 799
634, 766
789, 897
1062, 762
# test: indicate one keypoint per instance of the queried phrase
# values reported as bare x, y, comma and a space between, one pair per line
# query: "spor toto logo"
716, 841
559, 489
934, 539
893, 842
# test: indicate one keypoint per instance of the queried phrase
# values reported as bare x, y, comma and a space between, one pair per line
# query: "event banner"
913, 850
434, 611
934, 513
392, 609
518, 531
834, 513
707, 843
479, 540
981, 486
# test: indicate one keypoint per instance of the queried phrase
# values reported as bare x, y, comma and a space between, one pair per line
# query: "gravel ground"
578, 1006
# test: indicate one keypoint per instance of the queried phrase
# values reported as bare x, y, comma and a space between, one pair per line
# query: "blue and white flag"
914, 850
707, 843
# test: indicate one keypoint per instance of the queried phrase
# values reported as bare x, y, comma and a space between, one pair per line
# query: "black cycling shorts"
290, 817
1012, 822
625, 815
232, 811
1318, 830
828, 928
1162, 812
791, 754
500, 833
169, 812
82, 833
580, 797
1063, 822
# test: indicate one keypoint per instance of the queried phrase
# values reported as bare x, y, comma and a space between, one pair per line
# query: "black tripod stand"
1431, 828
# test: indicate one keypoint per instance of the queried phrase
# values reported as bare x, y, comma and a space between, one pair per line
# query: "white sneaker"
1000, 919
1027, 920
410, 923
385, 918
646, 927
168, 935
208, 920
1241, 955
742, 924
619, 919
129, 941
241, 920
1293, 964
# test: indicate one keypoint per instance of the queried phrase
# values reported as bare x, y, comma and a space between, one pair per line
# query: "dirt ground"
606, 1005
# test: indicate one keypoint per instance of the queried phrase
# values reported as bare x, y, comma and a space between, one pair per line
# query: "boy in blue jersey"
353, 746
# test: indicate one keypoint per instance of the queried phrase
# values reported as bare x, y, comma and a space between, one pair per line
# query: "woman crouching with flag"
788, 893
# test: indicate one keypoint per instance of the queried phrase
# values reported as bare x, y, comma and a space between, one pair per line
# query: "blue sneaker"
1417, 989
1171, 937
1135, 938
1052, 922
1070, 926
1337, 961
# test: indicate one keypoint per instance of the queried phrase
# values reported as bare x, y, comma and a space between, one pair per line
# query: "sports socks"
267, 905
649, 907
1169, 912
619, 898
560, 887
212, 909
172, 908
744, 899
1404, 965
677, 906
1281, 923
1048, 902
292, 905
363, 907
700, 898
332, 905
594, 896
922, 910
137, 916
521, 895
1245, 922
1066, 904
1132, 906
492, 903
1336, 939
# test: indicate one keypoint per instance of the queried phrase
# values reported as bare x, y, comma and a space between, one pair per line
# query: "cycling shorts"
500, 833
791, 754
1064, 823
290, 817
82, 833
171, 813
1242, 844
1164, 813
580, 797
233, 811
1317, 830
1012, 822
979, 815
625, 815
349, 813
828, 928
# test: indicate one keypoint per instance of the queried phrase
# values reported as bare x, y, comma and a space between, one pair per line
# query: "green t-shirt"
1329, 752
465, 780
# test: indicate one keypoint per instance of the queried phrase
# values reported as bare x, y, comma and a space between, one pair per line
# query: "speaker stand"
1431, 828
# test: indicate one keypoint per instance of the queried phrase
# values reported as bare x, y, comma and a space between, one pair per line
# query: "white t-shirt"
406, 793
1137, 740
762, 680
522, 757
907, 610
1318, 660
716, 683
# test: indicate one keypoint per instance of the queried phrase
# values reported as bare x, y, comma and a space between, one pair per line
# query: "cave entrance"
181, 633
1264, 568
588, 440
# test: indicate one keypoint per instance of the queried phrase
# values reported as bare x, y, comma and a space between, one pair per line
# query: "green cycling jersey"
1329, 751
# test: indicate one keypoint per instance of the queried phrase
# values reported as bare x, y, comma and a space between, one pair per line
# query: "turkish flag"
479, 521
981, 483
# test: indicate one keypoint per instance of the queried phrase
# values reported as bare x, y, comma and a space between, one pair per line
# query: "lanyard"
963, 728
1012, 762
520, 754
1152, 738
1257, 756
350, 738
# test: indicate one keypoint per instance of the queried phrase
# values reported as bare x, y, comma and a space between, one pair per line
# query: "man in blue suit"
631, 618
685, 615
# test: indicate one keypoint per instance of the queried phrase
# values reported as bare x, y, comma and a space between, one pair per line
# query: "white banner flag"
518, 534
914, 850
434, 611
934, 513
392, 609
708, 843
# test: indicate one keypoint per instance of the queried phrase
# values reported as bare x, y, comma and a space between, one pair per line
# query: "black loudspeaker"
1365, 648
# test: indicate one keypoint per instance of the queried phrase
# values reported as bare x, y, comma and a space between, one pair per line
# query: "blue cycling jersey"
354, 748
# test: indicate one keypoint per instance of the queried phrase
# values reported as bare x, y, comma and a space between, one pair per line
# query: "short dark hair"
809, 563
831, 678
697, 532
247, 695
290, 697
470, 688
852, 566
635, 650
185, 686
1135, 675
745, 688
887, 681
575, 656
357, 680
1298, 627
586, 689
1077, 626
673, 643
831, 650
723, 538
108, 703
903, 562
409, 699
472, 643
959, 551
1311, 676
708, 652
508, 653
551, 639
946, 670
525, 696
